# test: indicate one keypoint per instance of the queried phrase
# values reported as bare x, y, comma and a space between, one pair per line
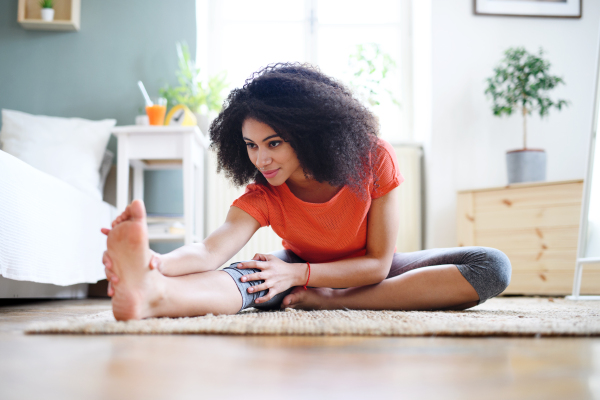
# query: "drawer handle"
507, 202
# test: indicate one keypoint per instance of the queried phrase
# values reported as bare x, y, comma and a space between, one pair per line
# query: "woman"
319, 175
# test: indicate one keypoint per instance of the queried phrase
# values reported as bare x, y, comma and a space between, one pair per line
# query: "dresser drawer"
536, 225
536, 238
529, 197
506, 218
557, 283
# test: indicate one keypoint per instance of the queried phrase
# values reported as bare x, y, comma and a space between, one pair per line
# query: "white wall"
467, 145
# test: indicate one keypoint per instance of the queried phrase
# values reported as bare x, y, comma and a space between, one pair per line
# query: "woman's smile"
270, 174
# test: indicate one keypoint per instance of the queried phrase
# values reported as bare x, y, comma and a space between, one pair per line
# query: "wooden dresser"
536, 224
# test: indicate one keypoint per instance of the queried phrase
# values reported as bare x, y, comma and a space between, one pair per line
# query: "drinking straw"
143, 89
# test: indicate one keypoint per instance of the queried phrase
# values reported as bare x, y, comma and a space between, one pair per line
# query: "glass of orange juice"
156, 112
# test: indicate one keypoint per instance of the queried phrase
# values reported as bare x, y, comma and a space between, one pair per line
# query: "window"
242, 36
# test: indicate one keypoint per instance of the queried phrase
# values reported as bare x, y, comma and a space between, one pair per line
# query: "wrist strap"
307, 279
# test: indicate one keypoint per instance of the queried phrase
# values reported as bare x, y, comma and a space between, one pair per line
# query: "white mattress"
49, 230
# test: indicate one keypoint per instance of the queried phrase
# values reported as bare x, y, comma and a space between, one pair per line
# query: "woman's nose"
263, 159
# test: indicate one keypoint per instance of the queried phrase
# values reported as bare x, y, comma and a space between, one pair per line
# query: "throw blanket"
49, 230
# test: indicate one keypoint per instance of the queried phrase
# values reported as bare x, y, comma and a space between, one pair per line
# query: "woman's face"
273, 157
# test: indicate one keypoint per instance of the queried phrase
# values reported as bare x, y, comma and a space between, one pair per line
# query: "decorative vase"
526, 165
48, 14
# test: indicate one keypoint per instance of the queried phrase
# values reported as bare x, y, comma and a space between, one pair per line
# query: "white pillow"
71, 149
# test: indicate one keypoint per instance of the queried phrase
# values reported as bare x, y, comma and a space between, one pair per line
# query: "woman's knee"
500, 266
487, 269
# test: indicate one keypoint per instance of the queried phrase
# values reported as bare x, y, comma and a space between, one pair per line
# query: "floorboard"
233, 367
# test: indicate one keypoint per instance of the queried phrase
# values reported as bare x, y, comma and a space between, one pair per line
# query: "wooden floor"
273, 368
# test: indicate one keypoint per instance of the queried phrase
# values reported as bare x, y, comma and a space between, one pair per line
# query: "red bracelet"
307, 279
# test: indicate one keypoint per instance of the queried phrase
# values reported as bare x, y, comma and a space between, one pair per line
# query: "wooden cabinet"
536, 225
66, 15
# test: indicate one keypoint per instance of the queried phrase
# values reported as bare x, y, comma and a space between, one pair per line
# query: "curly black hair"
332, 133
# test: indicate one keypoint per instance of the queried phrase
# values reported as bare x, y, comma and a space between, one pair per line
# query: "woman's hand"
113, 279
277, 275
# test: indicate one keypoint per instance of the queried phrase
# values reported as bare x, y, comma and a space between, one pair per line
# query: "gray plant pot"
526, 165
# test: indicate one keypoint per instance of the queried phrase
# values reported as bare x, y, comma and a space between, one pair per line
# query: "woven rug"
521, 316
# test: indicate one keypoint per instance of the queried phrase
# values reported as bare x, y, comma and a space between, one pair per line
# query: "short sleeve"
386, 174
254, 202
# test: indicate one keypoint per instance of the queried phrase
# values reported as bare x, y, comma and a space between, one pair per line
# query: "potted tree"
204, 99
47, 9
520, 83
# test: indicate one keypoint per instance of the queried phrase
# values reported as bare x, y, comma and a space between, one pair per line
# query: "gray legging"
486, 269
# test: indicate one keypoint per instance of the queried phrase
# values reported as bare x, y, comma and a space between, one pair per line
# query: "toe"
288, 301
138, 210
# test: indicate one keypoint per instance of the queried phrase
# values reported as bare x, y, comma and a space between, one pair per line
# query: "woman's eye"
274, 143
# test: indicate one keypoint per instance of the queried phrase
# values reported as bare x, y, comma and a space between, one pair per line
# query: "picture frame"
529, 8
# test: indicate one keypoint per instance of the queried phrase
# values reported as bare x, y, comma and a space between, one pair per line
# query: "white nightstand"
147, 147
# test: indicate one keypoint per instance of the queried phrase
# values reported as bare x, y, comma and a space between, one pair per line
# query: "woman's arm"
382, 229
373, 267
213, 251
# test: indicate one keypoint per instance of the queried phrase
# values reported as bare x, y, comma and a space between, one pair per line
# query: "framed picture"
529, 8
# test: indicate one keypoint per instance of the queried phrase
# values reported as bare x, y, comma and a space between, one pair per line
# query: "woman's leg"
144, 293
202, 293
452, 278
248, 299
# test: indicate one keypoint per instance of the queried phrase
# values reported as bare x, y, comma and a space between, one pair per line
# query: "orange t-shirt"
322, 232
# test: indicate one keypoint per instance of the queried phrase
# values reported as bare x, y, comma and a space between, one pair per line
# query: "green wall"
93, 73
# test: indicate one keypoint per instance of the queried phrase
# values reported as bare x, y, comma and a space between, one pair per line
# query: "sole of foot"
128, 248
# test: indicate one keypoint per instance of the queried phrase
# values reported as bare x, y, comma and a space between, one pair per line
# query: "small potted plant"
520, 82
47, 9
204, 99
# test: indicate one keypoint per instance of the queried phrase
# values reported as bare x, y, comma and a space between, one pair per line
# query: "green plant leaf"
370, 70
522, 80
192, 91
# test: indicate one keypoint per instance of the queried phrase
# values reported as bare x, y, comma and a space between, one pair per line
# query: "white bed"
50, 240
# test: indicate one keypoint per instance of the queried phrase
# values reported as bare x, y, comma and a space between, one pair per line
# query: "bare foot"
310, 299
139, 289
125, 215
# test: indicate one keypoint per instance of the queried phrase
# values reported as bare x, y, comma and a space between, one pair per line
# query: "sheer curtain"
243, 36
